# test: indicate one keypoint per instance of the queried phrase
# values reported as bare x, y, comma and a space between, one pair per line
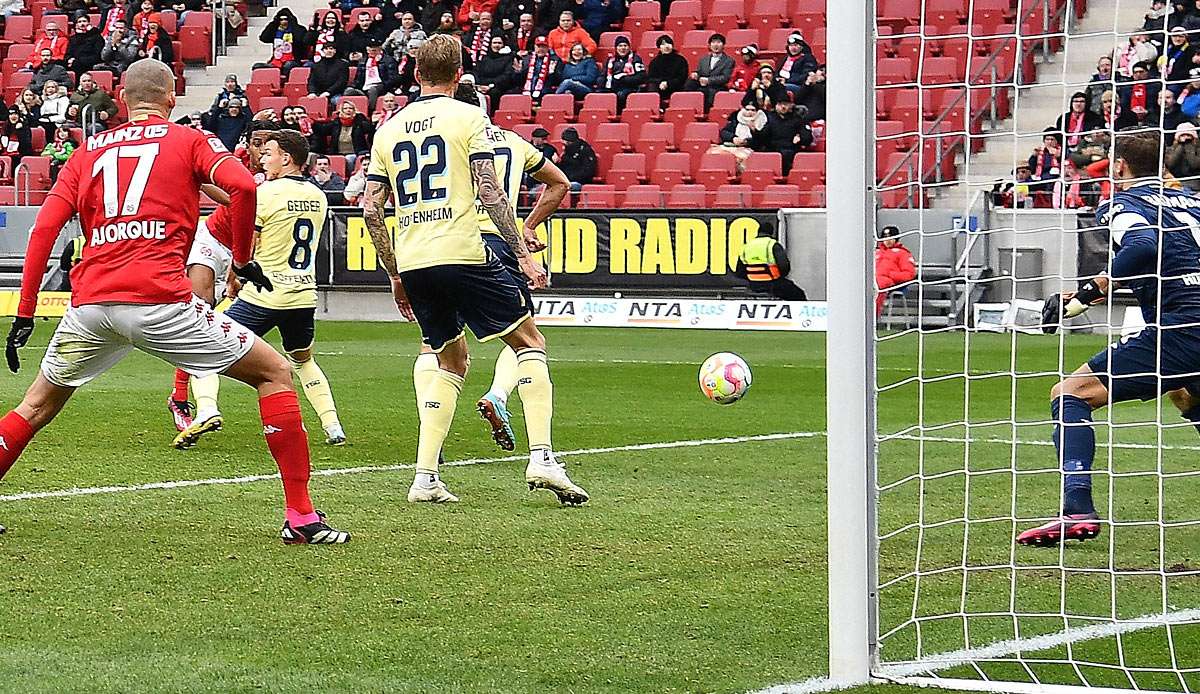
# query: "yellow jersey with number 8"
291, 213
423, 155
514, 158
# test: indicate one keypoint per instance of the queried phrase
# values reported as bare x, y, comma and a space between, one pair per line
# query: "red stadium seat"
33, 173
199, 19
737, 39
698, 137
762, 169
525, 130
167, 21
611, 132
317, 107
655, 138
718, 161
598, 196
196, 43
935, 71
684, 15
671, 169
898, 13
733, 196
767, 14
337, 164
628, 169
808, 170
712, 178
275, 103
255, 93
687, 100
692, 196
268, 76
644, 15
556, 109
724, 103
779, 196
18, 29
643, 196
893, 71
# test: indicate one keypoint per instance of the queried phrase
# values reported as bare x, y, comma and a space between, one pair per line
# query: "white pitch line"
329, 472
1000, 649
1040, 442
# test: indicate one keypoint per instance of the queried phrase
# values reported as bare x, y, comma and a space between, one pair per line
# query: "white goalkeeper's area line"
1000, 649
330, 472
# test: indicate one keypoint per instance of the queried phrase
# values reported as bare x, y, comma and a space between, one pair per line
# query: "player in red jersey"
136, 189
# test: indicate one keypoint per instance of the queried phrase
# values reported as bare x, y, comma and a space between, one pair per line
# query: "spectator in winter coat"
599, 15
328, 31
96, 106
1183, 157
1078, 120
786, 132
746, 71
141, 21
376, 74
121, 49
549, 12
49, 38
396, 44
1177, 59
812, 95
15, 140
1189, 98
579, 74
1101, 82
1137, 50
431, 15
227, 123
796, 64
157, 44
667, 71
84, 46
347, 133
745, 127
539, 70
288, 41
623, 72
406, 70
524, 35
231, 90
366, 33
329, 77
508, 14
894, 265
765, 91
477, 41
567, 34
494, 74
48, 71
54, 107
1141, 95
1046, 162
713, 71
323, 177
578, 160
470, 10
1168, 116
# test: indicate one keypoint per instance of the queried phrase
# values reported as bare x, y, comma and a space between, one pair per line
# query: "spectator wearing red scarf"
1140, 96
745, 72
1046, 161
539, 70
49, 38
468, 13
1078, 120
523, 35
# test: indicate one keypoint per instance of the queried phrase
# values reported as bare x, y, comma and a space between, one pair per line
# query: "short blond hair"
149, 81
439, 59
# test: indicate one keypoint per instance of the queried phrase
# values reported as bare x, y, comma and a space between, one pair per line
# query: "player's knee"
1182, 399
298, 358
278, 370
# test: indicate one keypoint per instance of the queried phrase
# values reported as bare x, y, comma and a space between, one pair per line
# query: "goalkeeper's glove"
253, 273
1054, 310
18, 336
1052, 314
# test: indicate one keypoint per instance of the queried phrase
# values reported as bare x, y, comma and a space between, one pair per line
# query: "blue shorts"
1131, 367
483, 297
508, 259
296, 325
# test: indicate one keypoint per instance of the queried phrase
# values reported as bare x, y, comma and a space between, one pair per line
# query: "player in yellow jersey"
437, 156
291, 213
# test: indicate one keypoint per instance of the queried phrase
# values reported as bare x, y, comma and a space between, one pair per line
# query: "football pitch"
699, 565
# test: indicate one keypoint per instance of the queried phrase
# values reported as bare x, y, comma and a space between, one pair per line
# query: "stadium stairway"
204, 82
1037, 106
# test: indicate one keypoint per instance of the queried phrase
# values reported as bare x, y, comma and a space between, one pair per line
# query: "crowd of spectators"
1152, 81
530, 47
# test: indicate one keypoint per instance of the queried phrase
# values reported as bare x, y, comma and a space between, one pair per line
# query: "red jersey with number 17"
137, 191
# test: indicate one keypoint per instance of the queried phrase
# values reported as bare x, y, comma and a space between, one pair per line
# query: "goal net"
991, 151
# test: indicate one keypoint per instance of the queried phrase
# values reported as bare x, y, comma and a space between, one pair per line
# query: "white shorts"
211, 253
190, 335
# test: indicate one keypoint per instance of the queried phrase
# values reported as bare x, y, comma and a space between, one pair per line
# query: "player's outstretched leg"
1071, 406
177, 404
267, 371
537, 401
1188, 403
493, 406
316, 389
208, 418
41, 404
438, 380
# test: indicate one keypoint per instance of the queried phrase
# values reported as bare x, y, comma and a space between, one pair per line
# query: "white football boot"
544, 472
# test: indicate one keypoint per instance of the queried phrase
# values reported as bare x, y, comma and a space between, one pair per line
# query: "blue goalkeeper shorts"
1150, 363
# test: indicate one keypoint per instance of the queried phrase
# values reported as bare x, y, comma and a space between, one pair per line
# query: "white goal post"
1123, 613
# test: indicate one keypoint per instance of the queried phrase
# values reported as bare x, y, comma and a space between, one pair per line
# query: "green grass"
693, 569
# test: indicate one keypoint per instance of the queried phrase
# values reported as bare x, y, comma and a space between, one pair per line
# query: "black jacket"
329, 76
513, 9
431, 16
299, 33
549, 11
578, 162
85, 50
669, 67
47, 72
387, 73
341, 41
327, 133
358, 40
780, 133
812, 97
496, 71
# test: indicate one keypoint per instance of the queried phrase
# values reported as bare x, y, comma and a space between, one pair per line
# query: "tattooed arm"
493, 199
374, 200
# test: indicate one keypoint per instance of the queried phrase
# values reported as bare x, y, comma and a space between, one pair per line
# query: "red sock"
15, 433
181, 386
288, 441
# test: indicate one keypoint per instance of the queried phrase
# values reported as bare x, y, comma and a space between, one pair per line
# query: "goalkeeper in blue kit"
1156, 233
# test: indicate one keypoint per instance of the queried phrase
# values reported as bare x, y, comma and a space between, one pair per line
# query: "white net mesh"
966, 461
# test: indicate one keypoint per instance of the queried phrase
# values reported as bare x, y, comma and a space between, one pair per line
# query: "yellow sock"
537, 396
316, 389
505, 379
424, 369
436, 400
206, 389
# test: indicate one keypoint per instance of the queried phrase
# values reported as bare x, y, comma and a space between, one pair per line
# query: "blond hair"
439, 59
149, 81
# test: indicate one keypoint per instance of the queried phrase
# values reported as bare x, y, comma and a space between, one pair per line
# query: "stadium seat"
104, 79
808, 170
724, 162
268, 76
779, 196
655, 138
762, 169
199, 19
196, 43
815, 198
893, 71
255, 93
275, 103
935, 71
33, 173
643, 196
18, 29
671, 169
317, 107
698, 137
689, 196
712, 178
898, 13
724, 103
595, 196
598, 108
737, 39
627, 169
644, 15
684, 15
733, 196
556, 109
611, 132
767, 14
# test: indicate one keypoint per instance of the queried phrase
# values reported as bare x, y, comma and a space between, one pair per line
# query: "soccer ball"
724, 378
